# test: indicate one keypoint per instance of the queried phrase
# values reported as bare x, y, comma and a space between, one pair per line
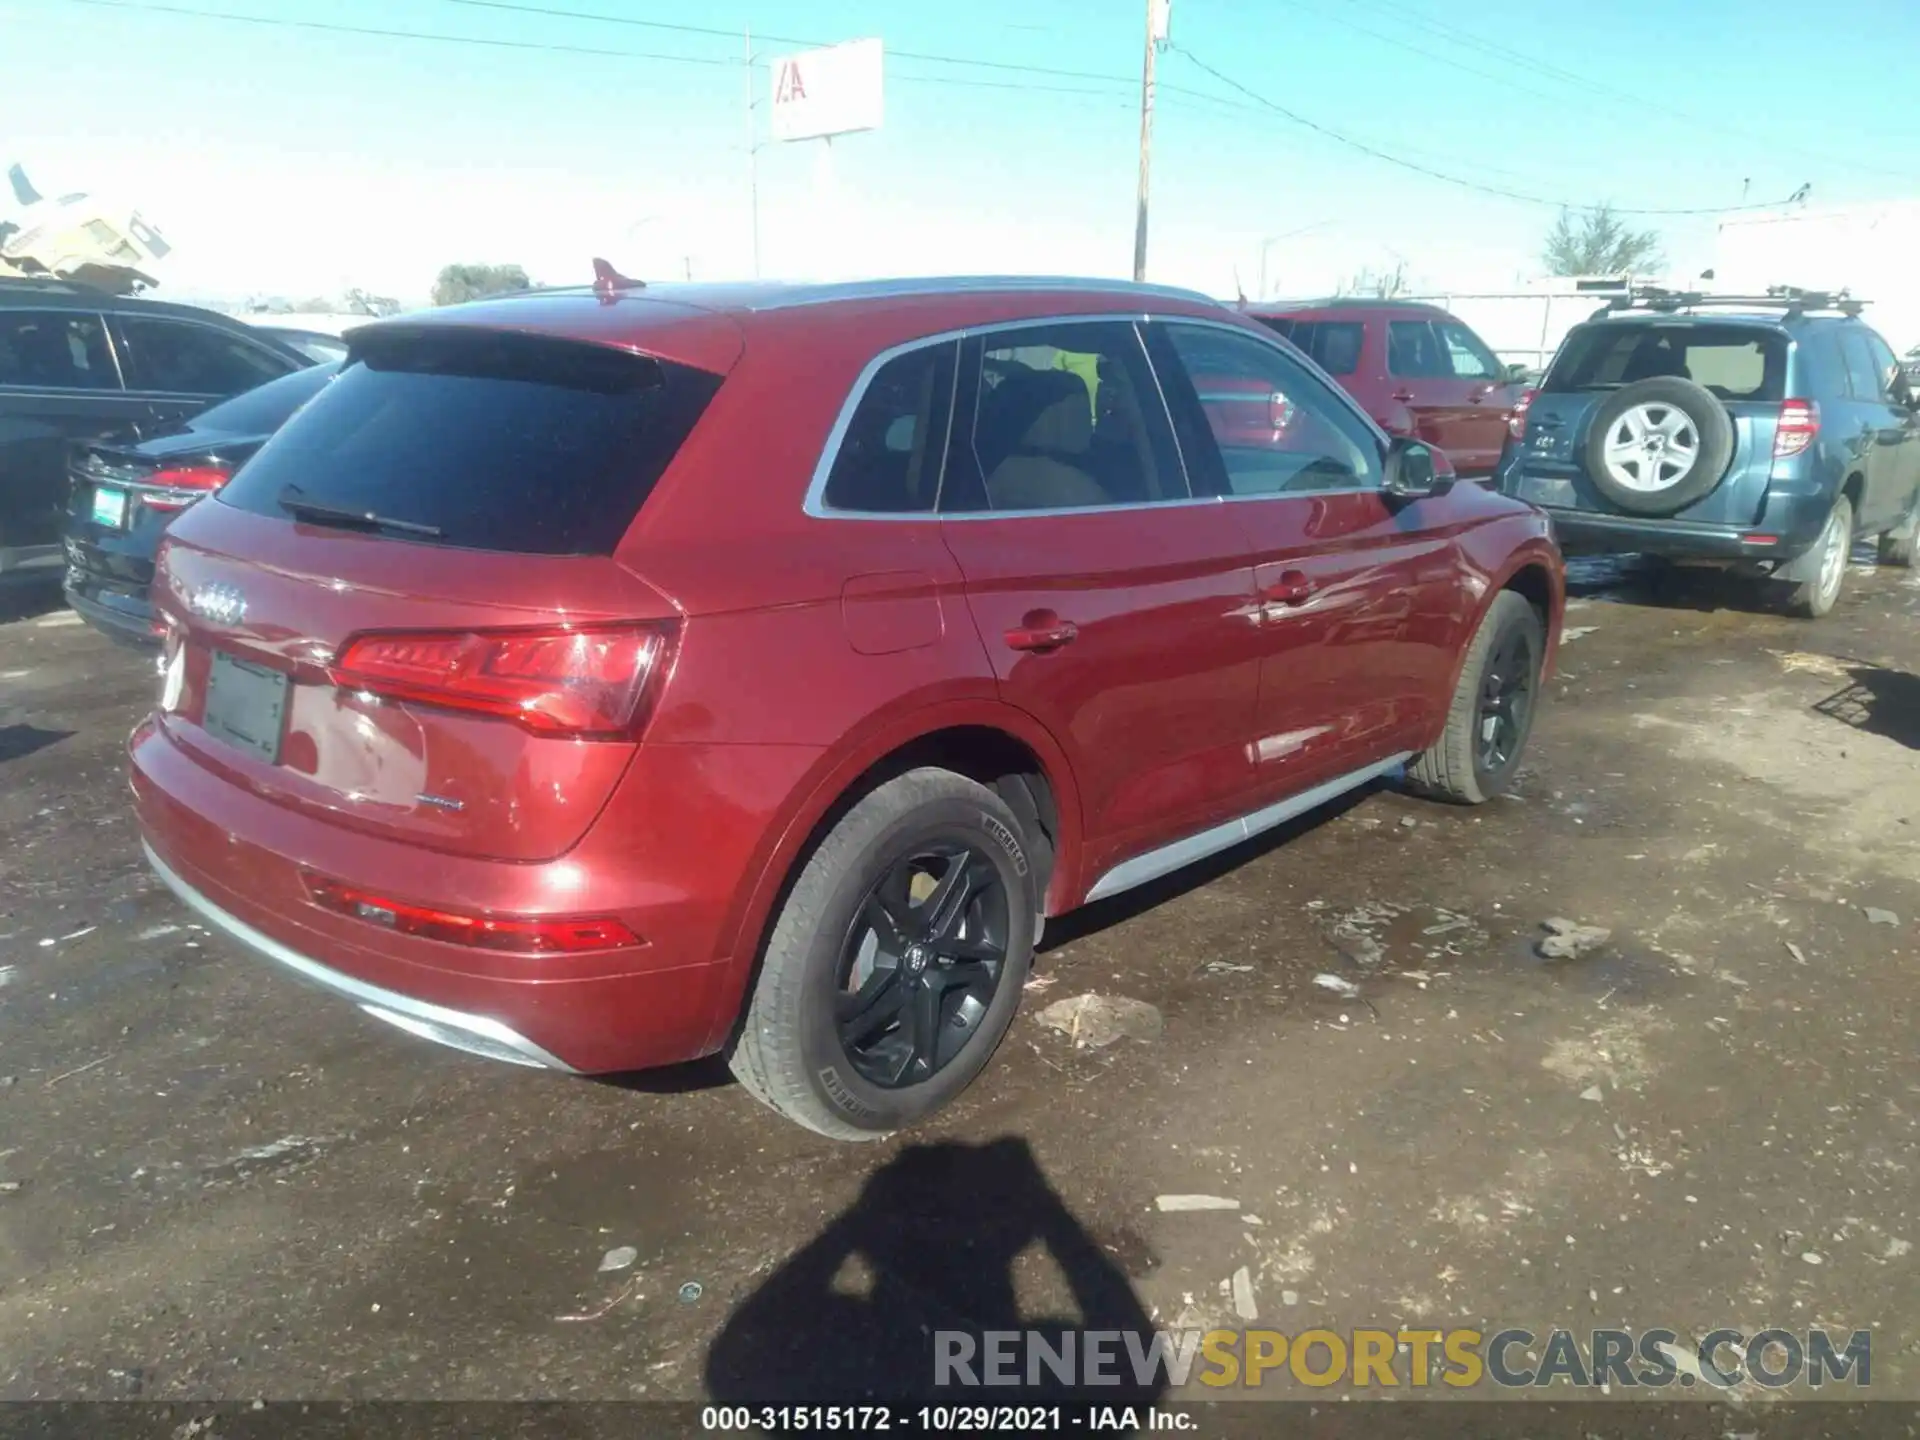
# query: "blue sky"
290, 160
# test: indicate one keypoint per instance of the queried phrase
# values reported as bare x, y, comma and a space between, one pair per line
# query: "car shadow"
19, 741
1878, 701
922, 1265
30, 599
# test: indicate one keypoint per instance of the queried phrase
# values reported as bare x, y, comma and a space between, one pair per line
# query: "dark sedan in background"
123, 497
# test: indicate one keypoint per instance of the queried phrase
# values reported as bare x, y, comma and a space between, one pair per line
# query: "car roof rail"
1790, 300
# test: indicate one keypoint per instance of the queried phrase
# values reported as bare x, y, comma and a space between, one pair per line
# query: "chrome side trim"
815, 506
1182, 853
476, 1034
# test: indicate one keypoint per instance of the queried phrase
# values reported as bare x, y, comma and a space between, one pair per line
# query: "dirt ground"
216, 1183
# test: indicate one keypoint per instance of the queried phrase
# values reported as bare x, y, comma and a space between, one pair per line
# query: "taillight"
562, 935
179, 487
589, 681
1799, 424
1517, 422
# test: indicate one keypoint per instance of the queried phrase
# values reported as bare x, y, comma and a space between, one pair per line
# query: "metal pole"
753, 159
1146, 150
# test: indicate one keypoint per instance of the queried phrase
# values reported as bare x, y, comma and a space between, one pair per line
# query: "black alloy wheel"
1506, 701
921, 963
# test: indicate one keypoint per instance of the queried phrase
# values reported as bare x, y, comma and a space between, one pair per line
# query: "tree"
458, 284
1599, 242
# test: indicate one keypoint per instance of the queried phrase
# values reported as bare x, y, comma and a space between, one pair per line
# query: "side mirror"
1412, 472
1518, 374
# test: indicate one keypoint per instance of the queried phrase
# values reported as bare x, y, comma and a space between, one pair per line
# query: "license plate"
246, 706
1547, 490
109, 507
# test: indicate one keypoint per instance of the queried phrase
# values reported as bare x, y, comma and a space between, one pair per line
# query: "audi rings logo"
222, 604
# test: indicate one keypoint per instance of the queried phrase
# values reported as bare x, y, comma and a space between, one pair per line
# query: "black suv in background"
1764, 434
78, 365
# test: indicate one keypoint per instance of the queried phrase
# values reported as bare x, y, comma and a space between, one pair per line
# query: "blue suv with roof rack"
1762, 434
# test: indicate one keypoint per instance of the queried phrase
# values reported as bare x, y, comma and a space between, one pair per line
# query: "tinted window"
1061, 417
265, 408
1333, 345
55, 349
1735, 362
503, 442
889, 458
1870, 364
1467, 355
1414, 350
1276, 429
183, 358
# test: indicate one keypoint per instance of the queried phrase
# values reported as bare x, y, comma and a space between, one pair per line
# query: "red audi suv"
600, 679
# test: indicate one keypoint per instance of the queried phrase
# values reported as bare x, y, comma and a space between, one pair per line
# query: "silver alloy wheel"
1835, 547
1652, 447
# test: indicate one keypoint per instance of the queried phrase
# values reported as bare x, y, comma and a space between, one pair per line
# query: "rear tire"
1811, 599
854, 941
1479, 752
1898, 544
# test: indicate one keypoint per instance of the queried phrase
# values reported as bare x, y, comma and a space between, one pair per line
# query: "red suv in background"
1418, 371
600, 679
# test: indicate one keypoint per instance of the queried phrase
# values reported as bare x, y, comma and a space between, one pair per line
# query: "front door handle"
1041, 631
1292, 588
1405, 397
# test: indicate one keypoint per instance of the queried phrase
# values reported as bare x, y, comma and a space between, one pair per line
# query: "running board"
1182, 853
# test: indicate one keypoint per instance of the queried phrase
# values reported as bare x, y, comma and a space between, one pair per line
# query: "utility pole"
753, 159
1157, 12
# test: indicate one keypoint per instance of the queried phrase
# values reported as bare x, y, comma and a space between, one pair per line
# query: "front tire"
1815, 597
1478, 754
896, 964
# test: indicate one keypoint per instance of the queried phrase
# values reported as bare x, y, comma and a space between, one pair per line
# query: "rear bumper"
124, 618
477, 1034
660, 858
1789, 527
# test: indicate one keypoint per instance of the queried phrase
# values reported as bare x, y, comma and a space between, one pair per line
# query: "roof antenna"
1239, 290
609, 282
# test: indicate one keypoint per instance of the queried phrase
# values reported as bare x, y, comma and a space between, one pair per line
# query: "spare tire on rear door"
1658, 445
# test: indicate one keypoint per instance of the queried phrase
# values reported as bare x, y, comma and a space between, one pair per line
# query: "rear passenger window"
1414, 351
182, 358
1061, 417
889, 458
55, 350
1333, 345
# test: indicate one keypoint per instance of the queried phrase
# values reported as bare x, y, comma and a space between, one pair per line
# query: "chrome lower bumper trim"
476, 1034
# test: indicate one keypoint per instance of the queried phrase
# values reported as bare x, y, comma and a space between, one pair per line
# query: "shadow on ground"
1878, 701
923, 1264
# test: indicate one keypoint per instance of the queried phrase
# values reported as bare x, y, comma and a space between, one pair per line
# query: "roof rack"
49, 282
1791, 300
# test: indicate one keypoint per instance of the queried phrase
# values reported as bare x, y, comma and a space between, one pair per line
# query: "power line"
1467, 39
1378, 154
554, 12
333, 28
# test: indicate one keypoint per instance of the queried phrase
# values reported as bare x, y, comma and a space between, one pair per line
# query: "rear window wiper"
293, 500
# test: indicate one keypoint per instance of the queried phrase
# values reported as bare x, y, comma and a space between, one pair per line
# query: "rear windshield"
499, 441
1735, 362
1333, 345
265, 408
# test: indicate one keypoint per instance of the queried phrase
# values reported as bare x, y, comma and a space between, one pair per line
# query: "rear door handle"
1405, 397
1292, 588
1042, 631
